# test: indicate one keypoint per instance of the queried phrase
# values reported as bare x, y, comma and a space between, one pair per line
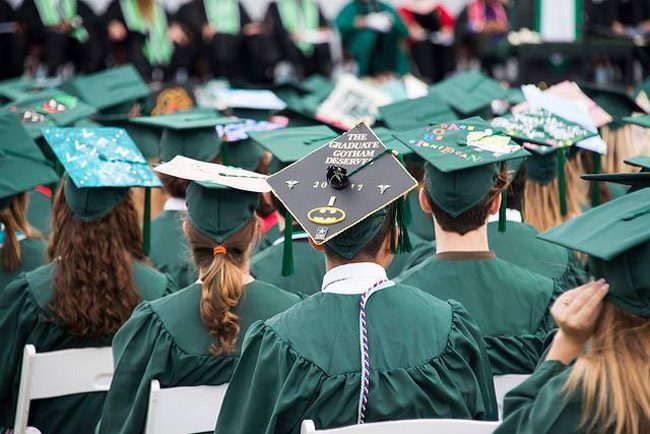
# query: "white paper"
315, 37
233, 177
251, 99
379, 21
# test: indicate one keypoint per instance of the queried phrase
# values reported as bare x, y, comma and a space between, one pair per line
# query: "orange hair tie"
219, 250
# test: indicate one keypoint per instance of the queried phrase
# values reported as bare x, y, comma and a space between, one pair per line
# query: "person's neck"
474, 241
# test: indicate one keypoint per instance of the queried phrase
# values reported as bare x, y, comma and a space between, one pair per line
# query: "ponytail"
222, 282
13, 219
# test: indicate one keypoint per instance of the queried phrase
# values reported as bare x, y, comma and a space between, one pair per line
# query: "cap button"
462, 143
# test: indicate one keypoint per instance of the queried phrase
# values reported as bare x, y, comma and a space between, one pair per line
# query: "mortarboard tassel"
408, 215
403, 243
504, 205
146, 222
287, 248
595, 186
561, 178
225, 154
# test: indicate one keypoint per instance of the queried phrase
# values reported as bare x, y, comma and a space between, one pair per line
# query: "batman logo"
326, 215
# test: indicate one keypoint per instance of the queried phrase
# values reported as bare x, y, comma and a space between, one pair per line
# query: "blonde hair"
614, 375
14, 219
222, 281
624, 142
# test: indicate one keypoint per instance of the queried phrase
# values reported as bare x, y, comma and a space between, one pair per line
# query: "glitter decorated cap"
417, 113
463, 160
469, 92
616, 235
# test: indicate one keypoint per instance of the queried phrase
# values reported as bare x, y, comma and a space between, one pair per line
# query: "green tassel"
595, 186
287, 250
503, 222
403, 243
561, 177
225, 154
408, 215
146, 223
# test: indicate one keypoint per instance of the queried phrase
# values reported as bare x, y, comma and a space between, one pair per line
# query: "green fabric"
39, 212
219, 212
291, 144
641, 161
401, 261
359, 43
616, 235
353, 240
614, 100
158, 48
296, 18
468, 92
306, 362
148, 140
515, 338
636, 181
25, 318
90, 204
417, 113
20, 174
267, 240
421, 223
540, 406
223, 15
169, 250
66, 10
267, 266
391, 142
166, 340
32, 255
542, 168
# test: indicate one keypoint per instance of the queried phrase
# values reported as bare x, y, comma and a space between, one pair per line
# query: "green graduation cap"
338, 193
109, 88
416, 113
636, 181
391, 142
642, 121
22, 164
616, 236
463, 159
101, 165
642, 161
614, 100
469, 92
23, 87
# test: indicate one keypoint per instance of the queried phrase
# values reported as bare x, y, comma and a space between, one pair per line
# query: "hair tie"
219, 250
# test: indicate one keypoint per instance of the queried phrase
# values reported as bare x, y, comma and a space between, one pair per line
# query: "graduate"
374, 36
68, 31
152, 38
463, 187
306, 363
302, 33
23, 167
595, 375
194, 336
95, 277
221, 28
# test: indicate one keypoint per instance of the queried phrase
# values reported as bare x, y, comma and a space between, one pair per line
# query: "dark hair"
516, 189
14, 218
370, 250
94, 291
222, 281
473, 218
174, 187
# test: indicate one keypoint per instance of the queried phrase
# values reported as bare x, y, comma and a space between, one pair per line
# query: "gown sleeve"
539, 405
171, 286
19, 314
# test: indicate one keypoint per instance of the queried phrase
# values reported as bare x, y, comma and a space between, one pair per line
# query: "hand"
417, 33
208, 32
116, 31
252, 29
62, 27
361, 22
177, 35
618, 28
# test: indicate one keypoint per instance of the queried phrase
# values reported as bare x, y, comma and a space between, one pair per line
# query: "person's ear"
423, 198
186, 227
267, 198
317, 247
495, 205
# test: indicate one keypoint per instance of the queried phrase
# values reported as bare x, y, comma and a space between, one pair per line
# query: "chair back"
504, 384
415, 426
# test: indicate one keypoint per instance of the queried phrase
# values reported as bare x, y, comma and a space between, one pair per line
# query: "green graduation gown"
25, 318
169, 250
32, 255
510, 304
374, 52
539, 405
309, 266
305, 364
166, 340
39, 210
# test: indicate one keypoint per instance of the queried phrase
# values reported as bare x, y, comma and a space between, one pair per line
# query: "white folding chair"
415, 426
182, 410
504, 384
60, 373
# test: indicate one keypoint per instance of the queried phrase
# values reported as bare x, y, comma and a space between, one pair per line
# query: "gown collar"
175, 204
354, 279
512, 215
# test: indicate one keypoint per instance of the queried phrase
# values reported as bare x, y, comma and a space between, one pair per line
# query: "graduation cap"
238, 149
616, 236
641, 95
171, 98
221, 200
110, 88
614, 100
24, 87
338, 192
642, 161
415, 113
642, 121
22, 164
463, 160
636, 181
469, 92
101, 165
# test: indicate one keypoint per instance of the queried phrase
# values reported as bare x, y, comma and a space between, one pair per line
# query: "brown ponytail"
14, 219
223, 281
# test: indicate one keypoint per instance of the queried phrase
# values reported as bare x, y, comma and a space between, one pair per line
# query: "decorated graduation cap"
636, 181
221, 199
338, 192
469, 92
22, 164
463, 161
415, 113
238, 148
616, 236
110, 88
101, 165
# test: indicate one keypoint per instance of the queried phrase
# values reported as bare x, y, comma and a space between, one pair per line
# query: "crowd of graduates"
346, 273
